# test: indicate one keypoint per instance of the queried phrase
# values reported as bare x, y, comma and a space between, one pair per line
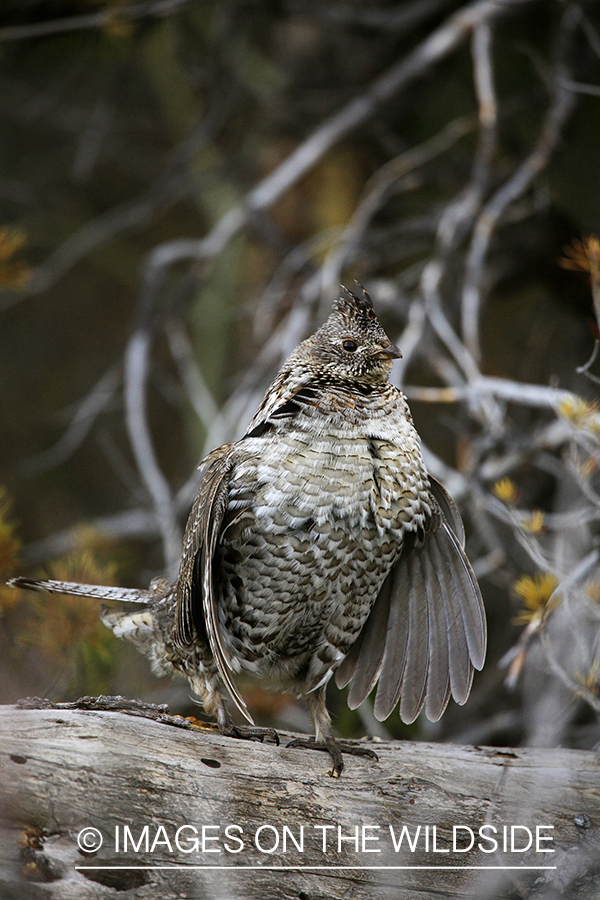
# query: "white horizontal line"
310, 868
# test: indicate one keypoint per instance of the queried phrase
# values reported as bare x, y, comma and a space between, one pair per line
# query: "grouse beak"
390, 351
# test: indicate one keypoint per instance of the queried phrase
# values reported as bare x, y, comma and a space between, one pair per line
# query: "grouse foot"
335, 749
244, 732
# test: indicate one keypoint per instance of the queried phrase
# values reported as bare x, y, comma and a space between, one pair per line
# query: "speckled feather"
319, 544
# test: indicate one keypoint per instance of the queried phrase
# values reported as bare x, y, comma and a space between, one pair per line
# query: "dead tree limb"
273, 823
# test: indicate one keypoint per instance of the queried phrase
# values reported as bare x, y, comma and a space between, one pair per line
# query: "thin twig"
592, 90
459, 215
121, 466
377, 190
291, 265
173, 186
92, 235
391, 18
137, 361
430, 287
562, 103
591, 34
189, 373
92, 139
81, 424
157, 8
410, 340
461, 212
358, 111
503, 388
132, 523
488, 118
584, 368
574, 686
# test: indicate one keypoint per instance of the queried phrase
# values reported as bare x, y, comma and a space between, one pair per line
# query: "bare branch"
561, 106
389, 18
156, 8
503, 388
410, 340
433, 49
591, 33
133, 523
391, 176
293, 263
122, 466
484, 87
191, 376
92, 139
593, 90
481, 46
169, 189
576, 687
136, 375
460, 213
430, 286
583, 370
98, 231
87, 412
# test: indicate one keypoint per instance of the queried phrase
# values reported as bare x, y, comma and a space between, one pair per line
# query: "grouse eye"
349, 346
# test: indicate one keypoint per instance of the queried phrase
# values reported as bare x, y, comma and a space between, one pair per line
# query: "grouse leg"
324, 740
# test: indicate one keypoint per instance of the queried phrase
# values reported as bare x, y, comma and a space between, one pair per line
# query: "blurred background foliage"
130, 132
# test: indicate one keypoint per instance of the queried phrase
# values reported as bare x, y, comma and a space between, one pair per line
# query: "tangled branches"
436, 227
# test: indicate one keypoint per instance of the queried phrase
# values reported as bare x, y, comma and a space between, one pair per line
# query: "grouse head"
351, 344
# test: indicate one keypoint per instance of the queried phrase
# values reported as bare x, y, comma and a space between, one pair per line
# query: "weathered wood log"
251, 820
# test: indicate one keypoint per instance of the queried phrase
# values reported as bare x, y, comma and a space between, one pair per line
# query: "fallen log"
98, 804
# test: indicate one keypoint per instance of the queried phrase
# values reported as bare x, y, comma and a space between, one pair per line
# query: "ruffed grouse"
317, 544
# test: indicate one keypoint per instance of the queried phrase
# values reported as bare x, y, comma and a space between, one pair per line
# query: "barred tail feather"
99, 592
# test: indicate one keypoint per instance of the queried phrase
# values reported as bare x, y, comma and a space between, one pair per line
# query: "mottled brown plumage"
319, 544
